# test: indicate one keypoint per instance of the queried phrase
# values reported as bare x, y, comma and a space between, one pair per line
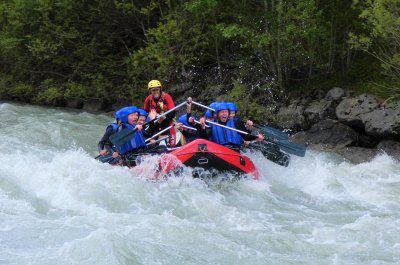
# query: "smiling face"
156, 92
133, 117
141, 120
223, 115
232, 114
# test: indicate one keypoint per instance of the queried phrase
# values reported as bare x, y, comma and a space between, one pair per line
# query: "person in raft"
158, 102
129, 118
105, 147
225, 136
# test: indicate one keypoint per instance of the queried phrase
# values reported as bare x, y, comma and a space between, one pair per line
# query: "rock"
292, 116
328, 133
356, 154
383, 122
318, 110
390, 147
351, 110
335, 94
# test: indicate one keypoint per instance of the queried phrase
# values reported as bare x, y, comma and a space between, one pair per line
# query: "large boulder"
328, 134
390, 147
318, 110
335, 94
356, 154
292, 116
351, 110
383, 122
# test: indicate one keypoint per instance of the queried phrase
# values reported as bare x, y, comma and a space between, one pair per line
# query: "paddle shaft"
227, 127
160, 132
201, 105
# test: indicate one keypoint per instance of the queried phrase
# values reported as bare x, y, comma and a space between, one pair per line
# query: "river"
60, 206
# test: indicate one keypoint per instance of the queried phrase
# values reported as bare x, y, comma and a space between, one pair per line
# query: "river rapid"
60, 206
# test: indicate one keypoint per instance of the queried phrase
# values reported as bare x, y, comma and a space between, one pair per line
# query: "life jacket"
116, 128
224, 136
158, 105
138, 141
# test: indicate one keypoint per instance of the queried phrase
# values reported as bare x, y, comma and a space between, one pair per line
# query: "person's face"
156, 92
133, 118
232, 114
223, 115
142, 119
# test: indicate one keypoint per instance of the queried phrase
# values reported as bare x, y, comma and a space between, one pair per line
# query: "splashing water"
60, 206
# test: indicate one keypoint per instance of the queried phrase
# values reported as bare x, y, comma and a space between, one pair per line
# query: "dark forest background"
52, 51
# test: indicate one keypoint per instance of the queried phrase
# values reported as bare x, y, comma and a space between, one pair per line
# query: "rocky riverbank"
358, 127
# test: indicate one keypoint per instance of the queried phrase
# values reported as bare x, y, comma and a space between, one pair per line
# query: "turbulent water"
60, 206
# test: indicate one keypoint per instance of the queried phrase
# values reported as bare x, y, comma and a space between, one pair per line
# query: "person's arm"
239, 124
105, 138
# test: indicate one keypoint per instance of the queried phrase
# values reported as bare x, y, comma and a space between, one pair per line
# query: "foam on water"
60, 206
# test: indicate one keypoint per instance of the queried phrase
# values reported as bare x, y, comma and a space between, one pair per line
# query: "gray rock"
390, 147
350, 110
356, 154
292, 116
328, 133
335, 94
318, 110
383, 122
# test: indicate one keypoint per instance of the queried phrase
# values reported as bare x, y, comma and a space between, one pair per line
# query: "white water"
60, 206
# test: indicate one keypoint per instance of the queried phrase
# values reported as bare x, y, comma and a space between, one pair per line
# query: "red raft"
211, 156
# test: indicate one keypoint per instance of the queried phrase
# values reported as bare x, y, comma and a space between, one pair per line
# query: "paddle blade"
118, 139
291, 148
272, 132
271, 152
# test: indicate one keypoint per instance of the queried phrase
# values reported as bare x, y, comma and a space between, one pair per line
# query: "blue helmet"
124, 113
232, 106
214, 105
183, 119
142, 112
221, 106
208, 114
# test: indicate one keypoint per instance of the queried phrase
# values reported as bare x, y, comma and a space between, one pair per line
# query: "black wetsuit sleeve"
170, 116
105, 139
202, 133
239, 124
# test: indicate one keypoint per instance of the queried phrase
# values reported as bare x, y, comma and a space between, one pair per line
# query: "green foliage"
381, 38
247, 104
76, 91
110, 49
49, 94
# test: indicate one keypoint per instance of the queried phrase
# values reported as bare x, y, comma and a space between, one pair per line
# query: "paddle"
160, 132
272, 132
120, 138
284, 144
271, 151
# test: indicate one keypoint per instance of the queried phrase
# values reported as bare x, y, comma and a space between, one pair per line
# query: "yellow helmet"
154, 83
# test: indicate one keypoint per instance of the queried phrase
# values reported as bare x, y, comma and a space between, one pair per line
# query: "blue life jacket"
138, 141
225, 136
183, 119
115, 127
